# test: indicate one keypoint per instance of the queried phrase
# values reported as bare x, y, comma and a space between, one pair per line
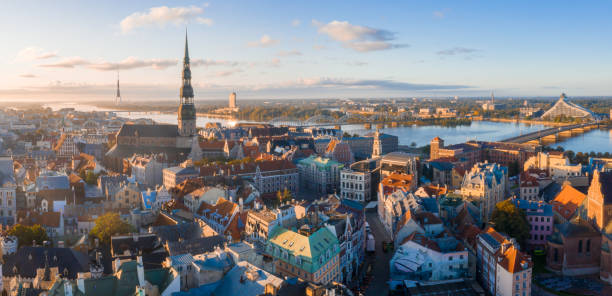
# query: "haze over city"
72, 50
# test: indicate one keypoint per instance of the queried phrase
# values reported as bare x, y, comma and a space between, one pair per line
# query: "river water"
595, 140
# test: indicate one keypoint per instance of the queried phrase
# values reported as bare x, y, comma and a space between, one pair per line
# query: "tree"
511, 220
108, 225
283, 196
27, 234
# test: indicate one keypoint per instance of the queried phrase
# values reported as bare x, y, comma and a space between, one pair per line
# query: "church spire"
187, 111
118, 97
186, 89
186, 59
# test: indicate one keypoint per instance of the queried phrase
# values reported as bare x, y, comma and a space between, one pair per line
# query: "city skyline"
281, 50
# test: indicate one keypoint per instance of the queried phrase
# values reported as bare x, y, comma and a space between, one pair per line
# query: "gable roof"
567, 201
514, 260
27, 259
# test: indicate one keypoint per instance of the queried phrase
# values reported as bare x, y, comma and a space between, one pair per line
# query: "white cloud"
133, 63
264, 41
211, 63
34, 53
163, 15
28, 75
286, 53
457, 51
296, 22
101, 65
319, 47
439, 14
359, 38
70, 62
227, 73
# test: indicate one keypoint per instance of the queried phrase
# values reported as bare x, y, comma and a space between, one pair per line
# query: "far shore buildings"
564, 107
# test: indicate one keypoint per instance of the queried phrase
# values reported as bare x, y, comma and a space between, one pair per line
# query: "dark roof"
196, 246
173, 233
149, 130
577, 227
28, 259
145, 243
441, 166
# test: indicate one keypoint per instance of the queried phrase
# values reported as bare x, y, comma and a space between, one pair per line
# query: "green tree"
27, 234
108, 225
511, 220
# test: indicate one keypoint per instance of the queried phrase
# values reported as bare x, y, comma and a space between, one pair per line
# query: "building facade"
486, 183
310, 256
319, 174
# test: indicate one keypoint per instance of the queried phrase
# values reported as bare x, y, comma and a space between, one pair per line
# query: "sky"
74, 50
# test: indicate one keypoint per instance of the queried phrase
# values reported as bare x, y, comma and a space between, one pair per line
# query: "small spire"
186, 48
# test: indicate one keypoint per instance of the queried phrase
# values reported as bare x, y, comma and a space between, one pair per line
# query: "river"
595, 140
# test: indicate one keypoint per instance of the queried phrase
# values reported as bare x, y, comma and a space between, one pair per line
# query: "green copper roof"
322, 163
310, 249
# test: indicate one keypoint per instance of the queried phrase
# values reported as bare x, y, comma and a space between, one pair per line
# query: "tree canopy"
108, 225
27, 234
511, 220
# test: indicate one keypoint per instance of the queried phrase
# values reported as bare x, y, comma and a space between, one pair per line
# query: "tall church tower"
186, 111
377, 145
118, 97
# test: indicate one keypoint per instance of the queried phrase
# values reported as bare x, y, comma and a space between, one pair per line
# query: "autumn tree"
27, 234
283, 196
108, 225
511, 220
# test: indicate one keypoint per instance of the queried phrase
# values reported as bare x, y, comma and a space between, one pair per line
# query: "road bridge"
552, 134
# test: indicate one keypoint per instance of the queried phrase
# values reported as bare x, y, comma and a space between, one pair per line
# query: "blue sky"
310, 49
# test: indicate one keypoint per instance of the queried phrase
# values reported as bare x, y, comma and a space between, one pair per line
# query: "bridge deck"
546, 132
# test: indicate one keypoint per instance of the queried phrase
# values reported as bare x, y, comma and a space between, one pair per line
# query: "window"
580, 246
588, 244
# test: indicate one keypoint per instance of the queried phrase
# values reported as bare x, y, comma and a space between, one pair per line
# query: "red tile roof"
567, 201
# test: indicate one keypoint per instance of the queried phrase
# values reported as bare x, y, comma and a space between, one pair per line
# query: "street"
380, 260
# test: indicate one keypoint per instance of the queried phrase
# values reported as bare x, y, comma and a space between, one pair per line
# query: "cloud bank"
164, 15
358, 38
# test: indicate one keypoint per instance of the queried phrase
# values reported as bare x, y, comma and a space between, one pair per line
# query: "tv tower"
118, 97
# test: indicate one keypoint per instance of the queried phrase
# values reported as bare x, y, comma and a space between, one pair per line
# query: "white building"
355, 185
502, 268
148, 170
429, 260
485, 183
558, 167
209, 195
156, 198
